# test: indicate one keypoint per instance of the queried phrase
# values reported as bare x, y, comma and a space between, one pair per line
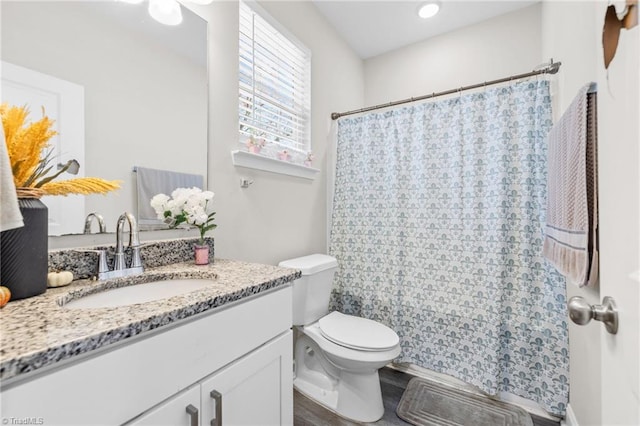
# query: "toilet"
337, 356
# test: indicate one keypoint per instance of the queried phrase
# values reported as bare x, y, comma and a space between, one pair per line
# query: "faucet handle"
102, 261
103, 267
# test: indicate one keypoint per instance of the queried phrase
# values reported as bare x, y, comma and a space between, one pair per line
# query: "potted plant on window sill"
255, 145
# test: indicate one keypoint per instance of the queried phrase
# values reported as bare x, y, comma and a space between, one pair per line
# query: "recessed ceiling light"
165, 11
428, 10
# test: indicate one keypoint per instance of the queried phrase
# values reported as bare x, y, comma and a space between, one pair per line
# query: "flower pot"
201, 254
254, 149
24, 253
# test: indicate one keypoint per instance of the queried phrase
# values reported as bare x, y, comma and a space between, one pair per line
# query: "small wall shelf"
260, 162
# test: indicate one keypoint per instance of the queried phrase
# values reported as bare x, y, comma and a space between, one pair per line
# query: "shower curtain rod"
549, 68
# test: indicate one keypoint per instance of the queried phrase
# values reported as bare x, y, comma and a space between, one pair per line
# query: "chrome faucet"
89, 219
120, 268
134, 243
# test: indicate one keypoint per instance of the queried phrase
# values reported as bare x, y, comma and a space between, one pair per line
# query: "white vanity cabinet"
242, 350
254, 390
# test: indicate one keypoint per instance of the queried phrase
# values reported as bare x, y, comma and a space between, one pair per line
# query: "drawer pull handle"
217, 397
193, 413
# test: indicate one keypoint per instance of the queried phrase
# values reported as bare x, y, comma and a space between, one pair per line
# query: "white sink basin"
139, 293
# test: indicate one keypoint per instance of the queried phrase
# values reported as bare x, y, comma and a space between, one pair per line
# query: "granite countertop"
38, 332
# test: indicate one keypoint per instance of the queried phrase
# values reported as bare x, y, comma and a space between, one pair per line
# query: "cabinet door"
181, 409
257, 389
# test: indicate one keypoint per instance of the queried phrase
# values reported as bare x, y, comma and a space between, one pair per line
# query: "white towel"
570, 241
10, 216
151, 182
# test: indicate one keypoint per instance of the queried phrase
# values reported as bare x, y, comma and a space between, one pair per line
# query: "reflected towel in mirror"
150, 182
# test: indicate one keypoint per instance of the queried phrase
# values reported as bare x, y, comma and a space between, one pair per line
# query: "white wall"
277, 217
570, 34
502, 46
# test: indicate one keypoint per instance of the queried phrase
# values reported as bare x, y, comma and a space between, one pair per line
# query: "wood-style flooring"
393, 382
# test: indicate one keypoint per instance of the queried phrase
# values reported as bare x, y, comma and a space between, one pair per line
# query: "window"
274, 97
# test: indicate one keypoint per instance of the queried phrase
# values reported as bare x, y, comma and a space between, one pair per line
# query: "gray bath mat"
425, 403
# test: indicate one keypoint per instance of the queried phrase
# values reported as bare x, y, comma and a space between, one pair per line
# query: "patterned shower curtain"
437, 216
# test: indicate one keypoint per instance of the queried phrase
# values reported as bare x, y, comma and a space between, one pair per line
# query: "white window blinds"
274, 100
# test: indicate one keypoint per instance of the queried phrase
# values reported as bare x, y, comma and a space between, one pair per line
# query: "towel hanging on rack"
150, 182
571, 237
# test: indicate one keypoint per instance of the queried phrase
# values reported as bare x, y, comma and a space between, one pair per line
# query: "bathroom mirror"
144, 88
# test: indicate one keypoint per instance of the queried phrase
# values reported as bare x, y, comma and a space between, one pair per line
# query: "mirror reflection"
126, 92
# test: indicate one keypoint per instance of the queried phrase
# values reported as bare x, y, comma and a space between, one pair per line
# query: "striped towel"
570, 241
150, 182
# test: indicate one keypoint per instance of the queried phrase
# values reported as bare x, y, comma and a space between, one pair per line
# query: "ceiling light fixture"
166, 12
428, 10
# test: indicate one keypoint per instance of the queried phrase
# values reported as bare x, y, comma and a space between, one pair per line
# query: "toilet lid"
357, 333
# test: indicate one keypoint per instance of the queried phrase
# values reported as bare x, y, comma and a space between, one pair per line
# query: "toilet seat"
357, 333
358, 356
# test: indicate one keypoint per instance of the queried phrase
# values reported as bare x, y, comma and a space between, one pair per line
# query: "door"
254, 390
63, 102
619, 197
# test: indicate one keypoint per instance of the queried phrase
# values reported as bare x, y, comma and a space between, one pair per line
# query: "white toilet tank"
311, 292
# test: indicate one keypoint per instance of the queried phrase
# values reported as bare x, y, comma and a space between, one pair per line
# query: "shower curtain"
436, 224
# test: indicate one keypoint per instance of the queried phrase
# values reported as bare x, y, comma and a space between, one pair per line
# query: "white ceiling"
375, 27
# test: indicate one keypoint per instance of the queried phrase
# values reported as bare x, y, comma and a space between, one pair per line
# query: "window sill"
260, 162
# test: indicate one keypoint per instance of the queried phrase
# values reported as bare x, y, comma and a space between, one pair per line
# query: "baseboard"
570, 418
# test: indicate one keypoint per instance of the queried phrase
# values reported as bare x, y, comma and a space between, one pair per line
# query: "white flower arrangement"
191, 206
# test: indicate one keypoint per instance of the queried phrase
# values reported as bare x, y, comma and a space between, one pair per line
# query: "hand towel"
10, 216
151, 182
570, 241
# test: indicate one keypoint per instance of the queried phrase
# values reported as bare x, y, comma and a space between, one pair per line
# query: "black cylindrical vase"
23, 255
